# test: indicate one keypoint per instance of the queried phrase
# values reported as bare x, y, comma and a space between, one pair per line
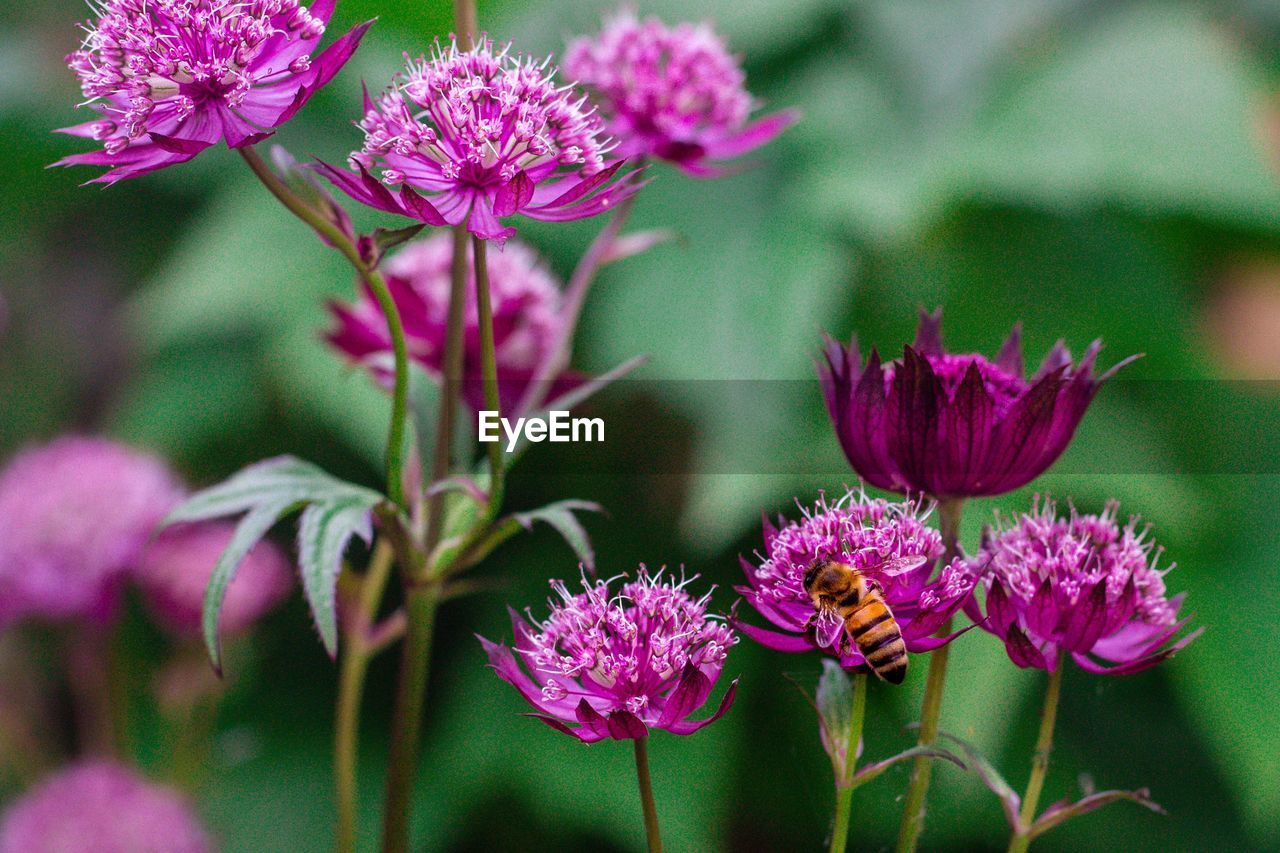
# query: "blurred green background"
1089, 168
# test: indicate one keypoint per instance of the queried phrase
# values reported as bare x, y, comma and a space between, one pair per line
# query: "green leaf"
560, 516
248, 532
1059, 813
283, 480
324, 531
871, 771
990, 777
834, 701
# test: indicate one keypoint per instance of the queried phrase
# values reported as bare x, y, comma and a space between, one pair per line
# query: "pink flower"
471, 136
616, 664
176, 567
1080, 585
75, 516
675, 93
103, 807
887, 542
528, 319
170, 78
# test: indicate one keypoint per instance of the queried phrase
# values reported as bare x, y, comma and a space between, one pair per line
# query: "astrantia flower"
527, 317
104, 807
675, 93
75, 515
172, 77
470, 136
175, 570
1080, 585
616, 664
888, 542
955, 425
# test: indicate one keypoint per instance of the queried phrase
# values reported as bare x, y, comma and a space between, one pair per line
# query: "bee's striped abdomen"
876, 633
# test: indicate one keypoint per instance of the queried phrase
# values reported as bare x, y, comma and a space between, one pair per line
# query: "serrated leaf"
282, 480
1060, 813
324, 531
248, 532
560, 516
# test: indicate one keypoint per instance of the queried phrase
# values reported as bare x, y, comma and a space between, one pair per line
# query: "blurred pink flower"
175, 570
103, 807
170, 78
675, 93
527, 317
616, 664
1080, 585
75, 516
473, 135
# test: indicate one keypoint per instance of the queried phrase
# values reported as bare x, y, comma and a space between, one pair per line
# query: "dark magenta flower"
888, 542
471, 136
105, 807
528, 319
608, 663
955, 425
675, 93
175, 569
170, 78
1080, 585
75, 517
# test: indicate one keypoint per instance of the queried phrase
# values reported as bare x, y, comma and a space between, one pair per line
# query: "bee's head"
811, 574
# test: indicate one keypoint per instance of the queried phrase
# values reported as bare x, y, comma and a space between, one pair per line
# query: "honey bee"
839, 590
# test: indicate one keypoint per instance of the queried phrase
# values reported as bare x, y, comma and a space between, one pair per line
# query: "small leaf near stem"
845, 779
1021, 838
913, 812
336, 238
651, 831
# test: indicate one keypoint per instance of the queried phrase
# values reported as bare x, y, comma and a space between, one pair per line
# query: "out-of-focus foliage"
1090, 169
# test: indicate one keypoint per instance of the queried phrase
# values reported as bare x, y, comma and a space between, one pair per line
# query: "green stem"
488, 370
651, 832
844, 783
335, 235
453, 364
406, 726
1021, 838
356, 655
913, 812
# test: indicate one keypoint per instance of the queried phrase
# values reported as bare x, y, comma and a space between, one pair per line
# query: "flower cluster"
1080, 585
104, 806
527, 317
955, 425
170, 78
616, 664
75, 517
675, 93
888, 542
473, 135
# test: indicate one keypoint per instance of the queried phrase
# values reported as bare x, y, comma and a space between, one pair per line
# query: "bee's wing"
900, 565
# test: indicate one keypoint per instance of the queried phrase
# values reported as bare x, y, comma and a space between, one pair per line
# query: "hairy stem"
406, 724
1021, 838
488, 370
913, 812
331, 232
651, 832
844, 784
356, 655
